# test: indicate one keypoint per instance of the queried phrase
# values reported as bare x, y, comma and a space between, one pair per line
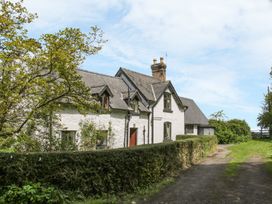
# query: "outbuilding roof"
193, 115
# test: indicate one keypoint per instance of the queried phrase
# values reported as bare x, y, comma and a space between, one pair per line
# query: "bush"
32, 193
107, 171
232, 131
241, 129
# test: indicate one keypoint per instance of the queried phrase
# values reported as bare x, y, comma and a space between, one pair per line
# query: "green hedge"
107, 171
184, 137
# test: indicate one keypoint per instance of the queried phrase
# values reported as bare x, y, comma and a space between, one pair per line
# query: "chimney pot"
161, 60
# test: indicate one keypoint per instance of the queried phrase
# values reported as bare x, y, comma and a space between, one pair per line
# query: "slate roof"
131, 94
193, 115
117, 86
159, 88
150, 87
142, 82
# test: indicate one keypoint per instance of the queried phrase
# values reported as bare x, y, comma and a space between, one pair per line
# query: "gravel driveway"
208, 183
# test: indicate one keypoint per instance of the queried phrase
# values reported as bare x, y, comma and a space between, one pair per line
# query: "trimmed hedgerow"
183, 137
107, 171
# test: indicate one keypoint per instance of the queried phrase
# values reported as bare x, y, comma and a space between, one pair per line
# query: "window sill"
167, 111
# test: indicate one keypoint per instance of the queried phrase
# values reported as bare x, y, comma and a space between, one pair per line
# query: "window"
68, 138
144, 134
189, 129
135, 105
105, 101
102, 139
167, 102
167, 131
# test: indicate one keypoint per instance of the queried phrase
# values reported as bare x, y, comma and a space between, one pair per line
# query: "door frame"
132, 131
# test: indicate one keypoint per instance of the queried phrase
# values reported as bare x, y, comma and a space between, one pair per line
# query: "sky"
217, 52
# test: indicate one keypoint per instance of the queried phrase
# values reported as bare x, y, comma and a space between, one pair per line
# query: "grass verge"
240, 153
140, 195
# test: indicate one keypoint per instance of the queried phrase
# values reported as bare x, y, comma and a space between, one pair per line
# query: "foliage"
242, 152
265, 118
107, 171
232, 131
91, 135
88, 134
219, 115
240, 128
21, 143
37, 75
32, 193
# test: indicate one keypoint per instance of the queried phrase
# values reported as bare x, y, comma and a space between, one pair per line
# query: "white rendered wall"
140, 122
160, 117
70, 120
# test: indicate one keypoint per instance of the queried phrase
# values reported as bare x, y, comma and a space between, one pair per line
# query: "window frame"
189, 127
69, 141
167, 125
104, 105
104, 143
135, 105
167, 102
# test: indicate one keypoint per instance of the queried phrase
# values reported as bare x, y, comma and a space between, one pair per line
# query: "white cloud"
212, 45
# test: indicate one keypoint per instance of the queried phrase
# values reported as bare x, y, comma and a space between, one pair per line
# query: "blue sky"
218, 52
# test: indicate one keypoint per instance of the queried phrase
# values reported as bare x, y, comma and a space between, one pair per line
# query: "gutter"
152, 124
148, 128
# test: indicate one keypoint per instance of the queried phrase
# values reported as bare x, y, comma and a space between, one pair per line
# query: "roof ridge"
161, 82
138, 73
91, 72
186, 98
99, 86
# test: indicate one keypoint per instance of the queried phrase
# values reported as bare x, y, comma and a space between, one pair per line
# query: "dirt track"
208, 183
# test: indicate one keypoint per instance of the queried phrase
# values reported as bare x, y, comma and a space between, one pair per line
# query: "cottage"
140, 109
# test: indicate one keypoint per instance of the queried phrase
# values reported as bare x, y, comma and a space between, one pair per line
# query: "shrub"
32, 193
106, 171
240, 128
232, 131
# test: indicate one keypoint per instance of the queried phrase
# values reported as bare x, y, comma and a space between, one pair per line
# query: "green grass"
141, 194
240, 153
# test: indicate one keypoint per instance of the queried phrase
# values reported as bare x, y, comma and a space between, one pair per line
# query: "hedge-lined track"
108, 171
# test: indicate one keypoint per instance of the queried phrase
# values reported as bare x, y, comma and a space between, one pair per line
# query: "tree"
265, 117
38, 75
219, 115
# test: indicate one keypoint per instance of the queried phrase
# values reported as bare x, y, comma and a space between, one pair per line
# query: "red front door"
133, 137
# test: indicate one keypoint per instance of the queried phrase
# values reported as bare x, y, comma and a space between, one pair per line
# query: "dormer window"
167, 102
135, 105
105, 101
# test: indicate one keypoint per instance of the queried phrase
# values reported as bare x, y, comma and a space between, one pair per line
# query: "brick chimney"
159, 69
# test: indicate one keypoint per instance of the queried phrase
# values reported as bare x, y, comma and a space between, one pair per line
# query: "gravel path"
208, 183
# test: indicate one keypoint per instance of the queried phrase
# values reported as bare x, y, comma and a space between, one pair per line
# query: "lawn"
240, 153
